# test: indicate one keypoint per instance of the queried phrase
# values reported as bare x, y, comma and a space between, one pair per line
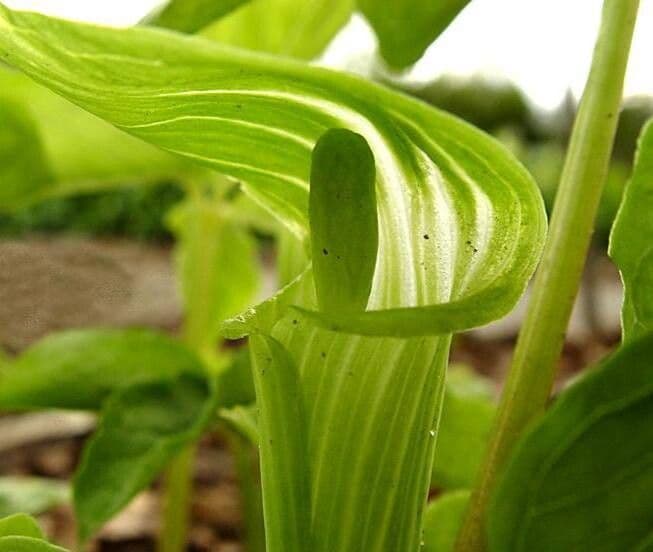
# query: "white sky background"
544, 46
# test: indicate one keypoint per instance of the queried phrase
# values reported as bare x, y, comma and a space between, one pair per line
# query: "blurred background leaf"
406, 29
190, 16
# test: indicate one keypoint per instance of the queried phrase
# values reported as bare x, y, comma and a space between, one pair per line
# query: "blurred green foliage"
130, 212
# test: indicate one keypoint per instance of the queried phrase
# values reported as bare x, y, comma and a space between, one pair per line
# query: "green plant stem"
196, 333
176, 502
540, 342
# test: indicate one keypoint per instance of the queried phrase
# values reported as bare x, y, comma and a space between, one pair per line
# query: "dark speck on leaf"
323, 354
426, 236
325, 252
468, 242
295, 322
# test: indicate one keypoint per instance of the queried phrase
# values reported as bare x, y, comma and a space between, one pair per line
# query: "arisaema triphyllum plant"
349, 359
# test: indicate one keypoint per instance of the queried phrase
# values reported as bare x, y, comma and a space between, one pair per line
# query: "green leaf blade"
630, 242
20, 525
190, 16
141, 429
467, 416
22, 159
344, 225
581, 478
27, 544
78, 369
406, 29
295, 28
84, 155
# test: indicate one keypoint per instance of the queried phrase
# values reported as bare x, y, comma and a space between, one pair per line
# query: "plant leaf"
22, 159
141, 429
257, 119
32, 495
344, 226
78, 369
631, 244
442, 520
190, 16
582, 477
467, 415
405, 29
294, 28
20, 525
27, 544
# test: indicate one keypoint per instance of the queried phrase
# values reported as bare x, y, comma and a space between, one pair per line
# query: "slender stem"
178, 485
541, 338
197, 274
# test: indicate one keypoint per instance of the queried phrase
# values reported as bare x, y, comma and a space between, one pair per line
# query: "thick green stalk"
541, 339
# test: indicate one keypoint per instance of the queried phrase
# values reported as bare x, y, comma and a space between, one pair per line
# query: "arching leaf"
461, 223
631, 242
